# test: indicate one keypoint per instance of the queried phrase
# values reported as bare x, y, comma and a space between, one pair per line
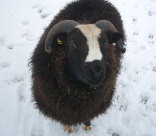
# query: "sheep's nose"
96, 71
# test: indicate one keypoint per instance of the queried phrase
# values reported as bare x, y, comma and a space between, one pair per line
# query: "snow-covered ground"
133, 112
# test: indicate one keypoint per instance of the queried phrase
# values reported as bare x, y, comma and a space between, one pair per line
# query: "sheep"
75, 64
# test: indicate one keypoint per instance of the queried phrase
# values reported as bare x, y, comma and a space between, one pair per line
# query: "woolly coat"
56, 93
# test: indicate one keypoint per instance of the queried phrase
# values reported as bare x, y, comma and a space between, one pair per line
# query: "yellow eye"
59, 41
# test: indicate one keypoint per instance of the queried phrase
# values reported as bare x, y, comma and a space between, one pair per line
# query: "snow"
133, 112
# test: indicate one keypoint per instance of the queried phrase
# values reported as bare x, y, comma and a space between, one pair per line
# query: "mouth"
93, 82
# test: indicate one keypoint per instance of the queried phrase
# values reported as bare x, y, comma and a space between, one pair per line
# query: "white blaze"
92, 33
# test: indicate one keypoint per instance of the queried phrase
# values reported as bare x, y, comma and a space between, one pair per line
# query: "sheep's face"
86, 49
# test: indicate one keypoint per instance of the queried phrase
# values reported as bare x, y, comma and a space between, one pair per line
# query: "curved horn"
108, 26
61, 27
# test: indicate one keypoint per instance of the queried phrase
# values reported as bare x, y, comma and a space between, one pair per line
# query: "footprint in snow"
20, 94
37, 132
2, 41
143, 47
151, 39
10, 47
21, 91
144, 99
41, 9
25, 22
134, 20
136, 33
153, 87
151, 36
110, 132
154, 107
123, 108
115, 134
35, 6
150, 13
4, 64
45, 15
27, 36
18, 78
126, 121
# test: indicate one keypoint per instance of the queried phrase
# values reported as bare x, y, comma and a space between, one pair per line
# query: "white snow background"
133, 112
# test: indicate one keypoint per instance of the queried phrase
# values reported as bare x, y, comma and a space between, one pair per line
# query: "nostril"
96, 70
101, 71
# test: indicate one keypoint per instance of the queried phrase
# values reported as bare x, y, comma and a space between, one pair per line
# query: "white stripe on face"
92, 33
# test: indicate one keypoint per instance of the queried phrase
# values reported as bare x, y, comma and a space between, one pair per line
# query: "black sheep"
68, 86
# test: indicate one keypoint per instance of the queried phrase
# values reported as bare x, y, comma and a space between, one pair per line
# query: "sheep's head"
85, 47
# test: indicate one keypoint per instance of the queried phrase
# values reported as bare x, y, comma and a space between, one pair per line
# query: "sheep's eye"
71, 46
106, 44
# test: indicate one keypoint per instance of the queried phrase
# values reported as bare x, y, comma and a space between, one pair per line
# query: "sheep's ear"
114, 36
61, 39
